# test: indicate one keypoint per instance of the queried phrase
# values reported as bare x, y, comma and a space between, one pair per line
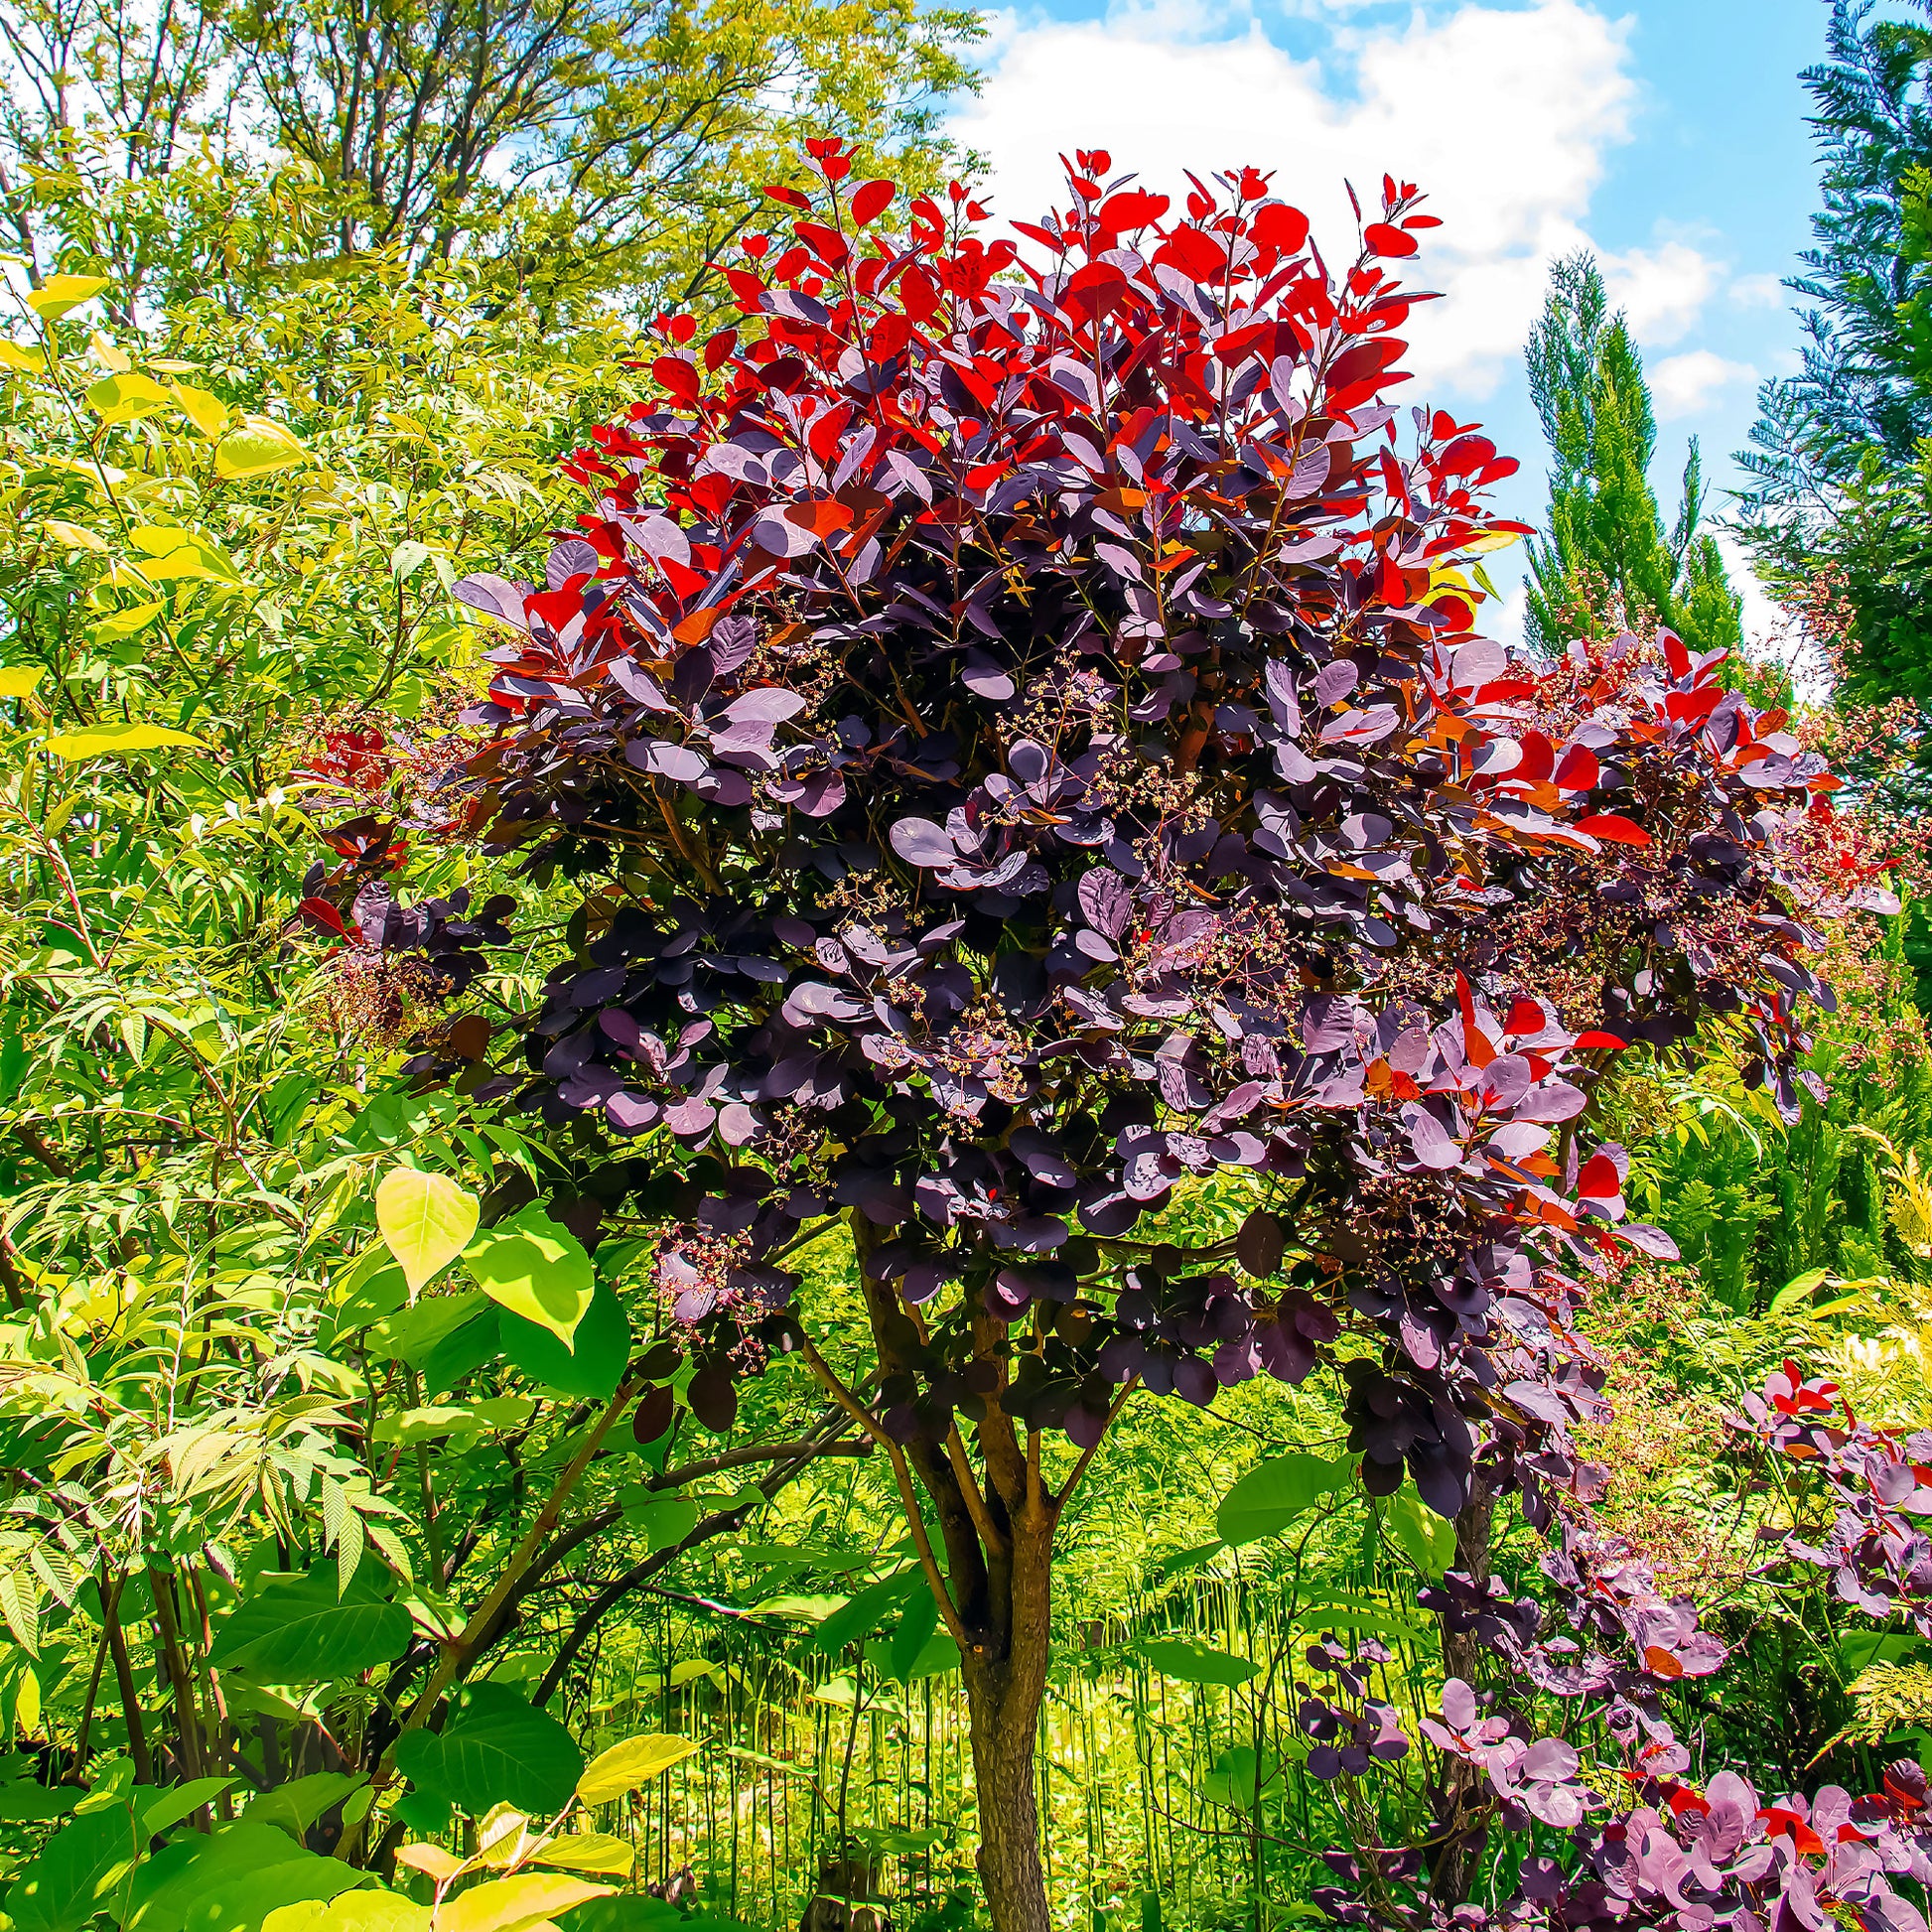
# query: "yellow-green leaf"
74, 536
13, 356
350, 1912
117, 624
110, 740
179, 553
61, 292
122, 398
515, 1903
632, 1764
589, 1852
18, 680
535, 1269
257, 448
426, 1219
208, 413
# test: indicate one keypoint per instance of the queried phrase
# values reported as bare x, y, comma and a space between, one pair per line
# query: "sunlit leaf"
426, 1219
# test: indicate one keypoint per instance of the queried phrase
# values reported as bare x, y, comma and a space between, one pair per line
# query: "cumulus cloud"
1759, 292
1681, 386
1661, 291
1503, 115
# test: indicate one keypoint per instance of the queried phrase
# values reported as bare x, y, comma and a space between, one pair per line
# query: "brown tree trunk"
1466, 1812
1004, 1694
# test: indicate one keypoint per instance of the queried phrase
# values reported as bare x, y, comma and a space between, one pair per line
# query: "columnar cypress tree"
1606, 535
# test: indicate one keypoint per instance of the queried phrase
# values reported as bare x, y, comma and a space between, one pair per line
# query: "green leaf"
632, 1766
257, 448
426, 1219
74, 1872
1238, 1779
1420, 1531
1271, 1494
536, 1269
116, 741
863, 1613
665, 1520
297, 1805
495, 1749
590, 1365
915, 1633
1795, 1290
119, 625
27, 1802
159, 1811
57, 295
1195, 1663
298, 1630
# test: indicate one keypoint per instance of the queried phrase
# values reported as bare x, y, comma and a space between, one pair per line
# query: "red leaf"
1096, 288
1382, 240
826, 243
1133, 208
869, 199
791, 196
1660, 1662
325, 915
1525, 1017
1198, 256
1597, 1039
676, 376
1599, 1180
1578, 771
1615, 827
1675, 655
1280, 227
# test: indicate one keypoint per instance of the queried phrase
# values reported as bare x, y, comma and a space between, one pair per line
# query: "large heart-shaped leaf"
1273, 1494
525, 1899
426, 1219
497, 1749
590, 1365
535, 1269
299, 1630
77, 1867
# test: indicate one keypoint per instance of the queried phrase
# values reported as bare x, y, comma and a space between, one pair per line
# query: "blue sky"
1667, 135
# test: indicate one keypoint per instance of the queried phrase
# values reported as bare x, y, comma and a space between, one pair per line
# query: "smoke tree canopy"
1014, 717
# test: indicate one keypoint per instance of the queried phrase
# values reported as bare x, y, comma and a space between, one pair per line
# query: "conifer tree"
1606, 547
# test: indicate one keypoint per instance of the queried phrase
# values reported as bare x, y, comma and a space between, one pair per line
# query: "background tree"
575, 151
1840, 510
1605, 558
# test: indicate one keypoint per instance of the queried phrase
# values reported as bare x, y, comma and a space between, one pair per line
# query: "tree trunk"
1004, 1694
1464, 1819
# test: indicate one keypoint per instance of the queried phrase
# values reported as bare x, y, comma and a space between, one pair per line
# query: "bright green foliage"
1606, 556
1841, 479
565, 152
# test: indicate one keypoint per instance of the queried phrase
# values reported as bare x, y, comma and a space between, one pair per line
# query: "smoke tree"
1014, 720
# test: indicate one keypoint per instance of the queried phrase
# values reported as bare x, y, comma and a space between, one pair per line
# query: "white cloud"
1759, 292
1681, 386
1504, 114
1661, 291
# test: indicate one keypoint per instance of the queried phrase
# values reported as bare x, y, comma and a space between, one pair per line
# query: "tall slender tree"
1607, 544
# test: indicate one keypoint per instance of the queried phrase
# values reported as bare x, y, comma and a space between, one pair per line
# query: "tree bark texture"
1004, 1695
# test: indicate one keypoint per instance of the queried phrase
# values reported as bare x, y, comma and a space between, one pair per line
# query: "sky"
1668, 136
